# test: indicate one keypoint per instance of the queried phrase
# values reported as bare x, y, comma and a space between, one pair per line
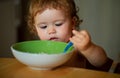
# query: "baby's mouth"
54, 39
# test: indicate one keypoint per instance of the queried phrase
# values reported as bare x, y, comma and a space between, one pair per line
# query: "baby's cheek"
66, 38
42, 36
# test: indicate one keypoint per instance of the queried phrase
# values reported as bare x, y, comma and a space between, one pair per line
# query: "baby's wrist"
87, 51
88, 46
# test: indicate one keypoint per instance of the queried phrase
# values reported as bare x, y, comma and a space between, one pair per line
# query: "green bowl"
41, 46
41, 55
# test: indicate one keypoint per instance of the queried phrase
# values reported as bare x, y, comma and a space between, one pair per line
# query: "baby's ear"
73, 22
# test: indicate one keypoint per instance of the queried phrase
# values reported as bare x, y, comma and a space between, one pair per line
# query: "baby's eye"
58, 24
43, 27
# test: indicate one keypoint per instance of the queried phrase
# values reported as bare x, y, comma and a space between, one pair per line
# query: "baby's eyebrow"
59, 20
41, 23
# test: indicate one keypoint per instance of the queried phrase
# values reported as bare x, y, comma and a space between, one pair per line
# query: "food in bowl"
41, 54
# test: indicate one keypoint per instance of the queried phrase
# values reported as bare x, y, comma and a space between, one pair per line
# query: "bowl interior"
41, 46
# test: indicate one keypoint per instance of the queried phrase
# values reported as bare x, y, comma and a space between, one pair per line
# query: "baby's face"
54, 25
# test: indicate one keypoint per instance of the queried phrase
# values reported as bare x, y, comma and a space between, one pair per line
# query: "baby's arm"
94, 53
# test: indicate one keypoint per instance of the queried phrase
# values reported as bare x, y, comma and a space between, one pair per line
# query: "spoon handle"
68, 46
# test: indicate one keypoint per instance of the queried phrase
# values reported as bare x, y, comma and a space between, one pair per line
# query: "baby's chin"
57, 40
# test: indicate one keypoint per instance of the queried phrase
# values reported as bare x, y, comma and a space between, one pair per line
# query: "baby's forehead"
63, 11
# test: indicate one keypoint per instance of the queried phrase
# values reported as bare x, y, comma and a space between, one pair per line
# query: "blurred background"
100, 17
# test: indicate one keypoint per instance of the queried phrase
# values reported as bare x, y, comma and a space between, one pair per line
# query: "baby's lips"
53, 38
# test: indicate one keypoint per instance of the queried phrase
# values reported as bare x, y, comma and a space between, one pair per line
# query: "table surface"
11, 68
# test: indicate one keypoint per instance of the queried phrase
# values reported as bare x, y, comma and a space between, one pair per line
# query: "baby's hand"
81, 40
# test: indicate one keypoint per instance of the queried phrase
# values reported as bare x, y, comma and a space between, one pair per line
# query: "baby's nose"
51, 30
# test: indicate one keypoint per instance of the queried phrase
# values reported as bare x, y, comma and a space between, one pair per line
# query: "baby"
57, 20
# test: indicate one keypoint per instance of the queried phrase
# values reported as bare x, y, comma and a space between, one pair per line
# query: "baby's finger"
80, 34
75, 32
85, 34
